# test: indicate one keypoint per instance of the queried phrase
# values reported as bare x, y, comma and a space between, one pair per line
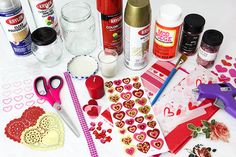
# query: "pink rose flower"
202, 152
219, 131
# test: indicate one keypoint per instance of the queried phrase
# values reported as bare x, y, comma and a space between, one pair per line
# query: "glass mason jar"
78, 28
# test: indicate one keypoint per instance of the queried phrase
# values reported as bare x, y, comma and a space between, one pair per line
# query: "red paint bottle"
110, 20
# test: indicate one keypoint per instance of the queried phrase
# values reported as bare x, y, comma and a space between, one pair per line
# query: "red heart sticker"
126, 80
132, 128
153, 133
138, 93
139, 119
119, 115
143, 147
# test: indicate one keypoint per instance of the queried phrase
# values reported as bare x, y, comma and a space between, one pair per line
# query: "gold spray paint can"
136, 33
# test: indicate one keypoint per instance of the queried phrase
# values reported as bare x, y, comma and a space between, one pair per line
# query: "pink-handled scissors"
52, 95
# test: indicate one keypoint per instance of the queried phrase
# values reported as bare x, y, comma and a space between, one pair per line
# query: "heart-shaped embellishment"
120, 124
7, 108
129, 104
18, 106
232, 72
126, 140
110, 90
126, 96
168, 112
130, 151
149, 117
220, 69
142, 126
141, 101
114, 98
7, 101
143, 147
132, 112
128, 87
126, 80
153, 133
135, 79
122, 131
158, 143
132, 128
116, 107
139, 119
228, 57
140, 137
92, 111
92, 102
18, 98
138, 93
119, 115
144, 109
119, 89
117, 82
225, 63
224, 78
152, 124
108, 84
129, 121
137, 85
47, 134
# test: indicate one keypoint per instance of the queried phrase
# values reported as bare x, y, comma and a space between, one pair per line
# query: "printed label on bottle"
112, 32
206, 55
44, 13
136, 44
165, 42
188, 43
17, 31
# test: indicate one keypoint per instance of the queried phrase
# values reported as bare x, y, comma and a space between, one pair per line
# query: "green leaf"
207, 134
204, 130
194, 134
213, 122
192, 127
205, 123
199, 129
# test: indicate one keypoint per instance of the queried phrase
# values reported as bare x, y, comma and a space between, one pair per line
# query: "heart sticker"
158, 143
140, 137
126, 140
126, 80
138, 93
152, 124
129, 104
224, 78
119, 89
116, 107
132, 112
137, 85
117, 82
129, 121
143, 147
135, 79
228, 57
153, 133
139, 119
142, 126
141, 101
232, 72
126, 96
92, 109
120, 124
130, 151
119, 115
149, 117
144, 109
220, 69
114, 98
108, 84
128, 87
225, 63
122, 131
132, 128
110, 90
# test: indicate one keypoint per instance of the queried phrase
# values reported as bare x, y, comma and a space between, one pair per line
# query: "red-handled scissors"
51, 93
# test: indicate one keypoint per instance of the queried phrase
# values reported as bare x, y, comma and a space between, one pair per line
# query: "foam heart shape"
116, 107
126, 80
46, 134
108, 84
142, 126
130, 151
137, 85
119, 89
139, 119
119, 115
93, 111
221, 69
126, 96
138, 93
143, 147
132, 112
129, 104
153, 133
232, 72
140, 137
128, 87
141, 101
158, 143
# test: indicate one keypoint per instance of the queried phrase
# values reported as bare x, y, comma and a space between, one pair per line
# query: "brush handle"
172, 73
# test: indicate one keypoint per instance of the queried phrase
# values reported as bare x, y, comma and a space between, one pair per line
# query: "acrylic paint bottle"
44, 13
15, 26
167, 30
137, 32
110, 22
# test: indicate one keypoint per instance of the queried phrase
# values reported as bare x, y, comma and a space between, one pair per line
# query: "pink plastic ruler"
91, 145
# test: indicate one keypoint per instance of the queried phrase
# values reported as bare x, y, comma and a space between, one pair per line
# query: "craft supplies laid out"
105, 110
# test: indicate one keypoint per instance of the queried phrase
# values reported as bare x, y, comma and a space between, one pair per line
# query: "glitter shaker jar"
209, 47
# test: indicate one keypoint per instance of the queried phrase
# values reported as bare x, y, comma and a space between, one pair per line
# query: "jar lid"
170, 12
194, 23
44, 36
212, 37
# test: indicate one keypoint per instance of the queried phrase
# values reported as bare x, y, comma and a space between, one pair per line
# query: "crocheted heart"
47, 134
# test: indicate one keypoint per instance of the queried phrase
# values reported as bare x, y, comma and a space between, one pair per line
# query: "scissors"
52, 95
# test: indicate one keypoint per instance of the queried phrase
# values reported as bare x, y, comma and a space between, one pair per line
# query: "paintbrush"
181, 60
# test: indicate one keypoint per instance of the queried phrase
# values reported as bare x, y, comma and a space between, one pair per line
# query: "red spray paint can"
110, 17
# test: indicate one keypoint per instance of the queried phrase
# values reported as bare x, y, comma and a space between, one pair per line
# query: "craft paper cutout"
133, 118
36, 129
181, 105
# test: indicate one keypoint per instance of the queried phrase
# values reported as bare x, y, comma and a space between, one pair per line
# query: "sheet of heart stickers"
16, 89
134, 119
226, 70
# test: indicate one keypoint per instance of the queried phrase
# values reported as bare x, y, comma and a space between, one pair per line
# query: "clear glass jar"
78, 28
46, 46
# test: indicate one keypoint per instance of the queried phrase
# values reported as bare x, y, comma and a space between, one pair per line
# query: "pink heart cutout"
142, 126
158, 143
220, 69
7, 101
228, 57
19, 106
7, 108
128, 87
130, 151
232, 72
18, 98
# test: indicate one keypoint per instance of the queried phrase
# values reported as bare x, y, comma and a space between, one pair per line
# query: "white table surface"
219, 14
